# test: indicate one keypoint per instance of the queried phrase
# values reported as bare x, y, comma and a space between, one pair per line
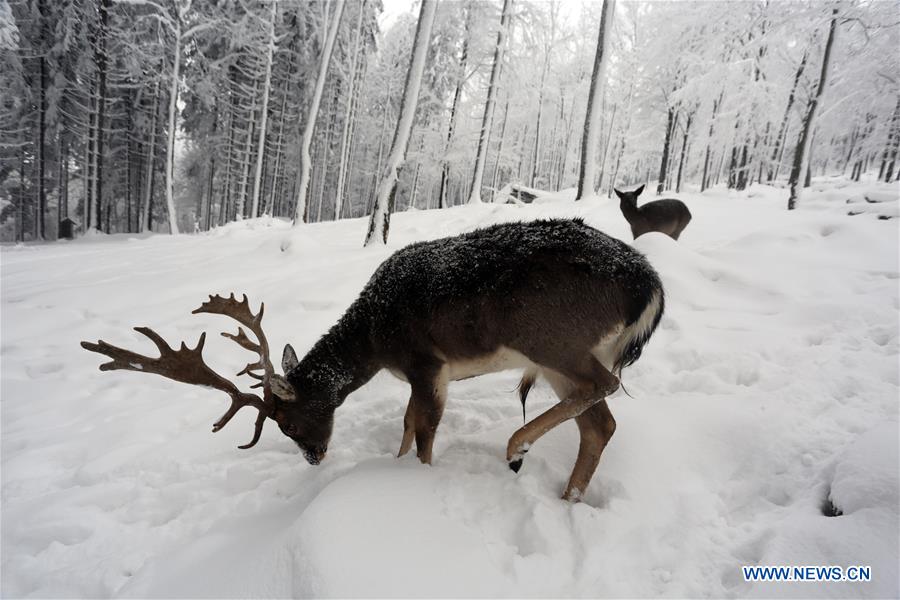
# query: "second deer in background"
665, 216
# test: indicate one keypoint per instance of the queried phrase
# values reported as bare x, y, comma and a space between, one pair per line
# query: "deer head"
629, 197
279, 400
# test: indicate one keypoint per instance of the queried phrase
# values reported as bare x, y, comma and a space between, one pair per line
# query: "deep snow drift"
769, 393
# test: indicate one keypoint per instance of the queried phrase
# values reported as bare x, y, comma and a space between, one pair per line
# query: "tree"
798, 170
487, 118
460, 80
264, 112
591, 139
380, 222
312, 115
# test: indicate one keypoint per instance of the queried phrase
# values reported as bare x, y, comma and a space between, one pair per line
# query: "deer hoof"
515, 461
572, 495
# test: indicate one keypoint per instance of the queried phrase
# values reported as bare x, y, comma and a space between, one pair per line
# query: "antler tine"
240, 311
242, 340
187, 366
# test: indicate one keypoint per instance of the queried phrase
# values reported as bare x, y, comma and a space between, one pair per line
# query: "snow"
769, 390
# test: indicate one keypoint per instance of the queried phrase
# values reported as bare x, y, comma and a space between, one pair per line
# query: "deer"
667, 216
557, 298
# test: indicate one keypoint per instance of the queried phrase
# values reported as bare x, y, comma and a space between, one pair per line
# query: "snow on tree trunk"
591, 139
42, 121
667, 144
348, 114
486, 122
309, 128
606, 143
380, 222
889, 155
460, 80
798, 171
100, 59
782, 130
264, 114
684, 145
536, 149
151, 148
495, 179
170, 145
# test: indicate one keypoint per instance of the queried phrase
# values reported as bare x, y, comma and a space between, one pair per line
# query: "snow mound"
865, 476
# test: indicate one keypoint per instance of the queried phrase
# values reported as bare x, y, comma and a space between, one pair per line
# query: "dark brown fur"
667, 216
548, 290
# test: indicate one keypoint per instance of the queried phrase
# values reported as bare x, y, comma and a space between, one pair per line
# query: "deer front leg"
428, 381
409, 428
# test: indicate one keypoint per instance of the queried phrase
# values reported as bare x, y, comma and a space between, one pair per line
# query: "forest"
181, 116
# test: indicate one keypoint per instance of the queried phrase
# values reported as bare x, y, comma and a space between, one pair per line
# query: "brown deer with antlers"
558, 298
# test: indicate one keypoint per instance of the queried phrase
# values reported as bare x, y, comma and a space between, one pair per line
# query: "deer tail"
525, 385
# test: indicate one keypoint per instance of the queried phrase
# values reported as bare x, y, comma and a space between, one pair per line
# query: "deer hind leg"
596, 426
424, 411
580, 386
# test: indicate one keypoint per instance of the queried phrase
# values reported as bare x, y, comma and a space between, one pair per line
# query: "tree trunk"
460, 79
88, 167
889, 155
129, 168
264, 114
62, 198
370, 195
603, 169
379, 224
211, 177
100, 59
495, 176
309, 128
536, 150
41, 157
226, 202
704, 181
664, 165
348, 113
797, 174
782, 131
486, 121
244, 189
592, 120
170, 145
326, 151
684, 143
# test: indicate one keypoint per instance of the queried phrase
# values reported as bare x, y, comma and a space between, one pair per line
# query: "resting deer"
666, 216
558, 298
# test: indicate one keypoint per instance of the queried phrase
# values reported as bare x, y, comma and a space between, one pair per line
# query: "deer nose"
314, 456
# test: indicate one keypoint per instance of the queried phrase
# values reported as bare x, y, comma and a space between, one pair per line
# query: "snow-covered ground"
770, 390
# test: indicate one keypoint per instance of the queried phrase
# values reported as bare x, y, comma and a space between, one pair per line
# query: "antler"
187, 365
240, 312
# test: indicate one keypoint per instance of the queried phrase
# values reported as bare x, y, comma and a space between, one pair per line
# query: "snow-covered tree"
380, 222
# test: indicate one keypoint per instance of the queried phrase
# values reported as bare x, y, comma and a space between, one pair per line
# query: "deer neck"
339, 363
630, 210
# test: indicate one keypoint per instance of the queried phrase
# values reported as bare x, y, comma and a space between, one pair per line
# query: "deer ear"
288, 359
283, 389
618, 193
638, 191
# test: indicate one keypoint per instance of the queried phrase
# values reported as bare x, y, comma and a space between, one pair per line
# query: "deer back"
540, 288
